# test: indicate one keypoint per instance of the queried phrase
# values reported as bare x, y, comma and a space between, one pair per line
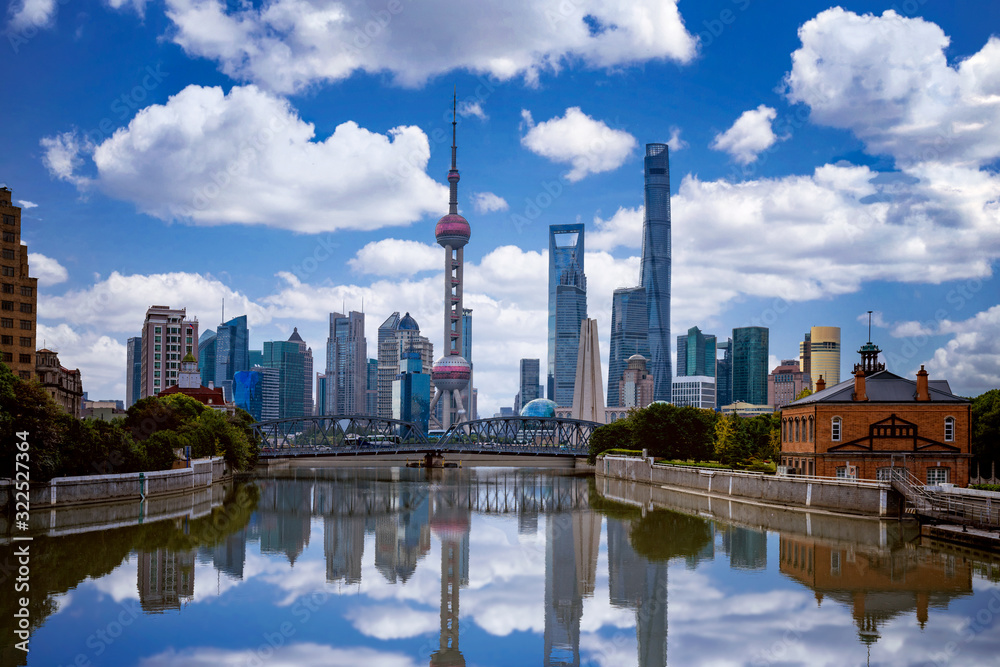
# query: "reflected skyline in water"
507, 566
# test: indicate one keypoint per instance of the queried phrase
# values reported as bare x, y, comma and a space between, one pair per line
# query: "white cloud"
32, 14
472, 108
909, 329
246, 157
749, 136
138, 5
887, 79
675, 142
396, 257
48, 271
878, 319
100, 358
118, 303
970, 361
26, 204
487, 202
300, 654
286, 45
393, 622
589, 145
62, 157
623, 229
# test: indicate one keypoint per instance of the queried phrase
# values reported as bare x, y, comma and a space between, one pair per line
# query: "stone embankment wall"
107, 488
876, 499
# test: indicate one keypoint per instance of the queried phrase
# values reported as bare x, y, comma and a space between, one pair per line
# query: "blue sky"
291, 156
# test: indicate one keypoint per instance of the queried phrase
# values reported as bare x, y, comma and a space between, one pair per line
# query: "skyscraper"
289, 359
133, 371
724, 374
567, 307
629, 335
696, 353
232, 353
528, 386
371, 388
750, 360
167, 336
805, 358
824, 352
588, 394
452, 372
395, 336
655, 267
20, 297
307, 371
347, 365
207, 344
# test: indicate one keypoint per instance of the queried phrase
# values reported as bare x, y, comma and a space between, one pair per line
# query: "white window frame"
935, 475
949, 429
836, 429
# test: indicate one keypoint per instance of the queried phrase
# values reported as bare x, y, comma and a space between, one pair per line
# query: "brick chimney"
923, 392
820, 384
859, 385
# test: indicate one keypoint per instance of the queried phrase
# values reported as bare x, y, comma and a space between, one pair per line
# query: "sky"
290, 158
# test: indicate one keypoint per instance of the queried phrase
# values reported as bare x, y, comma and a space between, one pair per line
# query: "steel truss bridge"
333, 435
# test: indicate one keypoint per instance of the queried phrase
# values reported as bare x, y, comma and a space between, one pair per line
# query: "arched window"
812, 433
797, 431
949, 429
835, 429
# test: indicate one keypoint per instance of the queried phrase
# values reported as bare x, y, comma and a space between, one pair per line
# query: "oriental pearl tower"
451, 372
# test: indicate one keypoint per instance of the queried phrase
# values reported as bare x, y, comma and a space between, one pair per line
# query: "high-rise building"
347, 365
824, 352
695, 390
655, 267
20, 295
307, 371
232, 353
207, 345
567, 308
256, 391
395, 336
323, 392
629, 336
256, 358
784, 383
724, 374
528, 386
750, 361
452, 372
133, 370
411, 393
288, 358
696, 353
371, 388
167, 337
805, 358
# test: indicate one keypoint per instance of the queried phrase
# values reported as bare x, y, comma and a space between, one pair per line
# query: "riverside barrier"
863, 497
127, 486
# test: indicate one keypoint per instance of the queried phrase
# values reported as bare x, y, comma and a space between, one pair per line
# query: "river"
399, 567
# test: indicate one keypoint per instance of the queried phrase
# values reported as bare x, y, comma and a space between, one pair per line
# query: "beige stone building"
62, 384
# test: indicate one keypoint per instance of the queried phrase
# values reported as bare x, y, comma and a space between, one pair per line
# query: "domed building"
540, 407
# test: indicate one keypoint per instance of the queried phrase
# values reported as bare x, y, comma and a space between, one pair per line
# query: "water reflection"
493, 566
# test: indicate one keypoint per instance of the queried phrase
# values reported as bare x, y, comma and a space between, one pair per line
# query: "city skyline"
786, 211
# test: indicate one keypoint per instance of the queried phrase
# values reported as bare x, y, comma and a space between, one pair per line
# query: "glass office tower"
750, 349
724, 374
655, 267
696, 353
629, 335
566, 278
232, 353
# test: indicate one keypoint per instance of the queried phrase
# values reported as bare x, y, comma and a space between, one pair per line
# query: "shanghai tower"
655, 267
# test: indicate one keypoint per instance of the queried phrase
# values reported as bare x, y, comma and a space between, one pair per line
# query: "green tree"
616, 435
732, 443
802, 394
161, 413
25, 407
986, 426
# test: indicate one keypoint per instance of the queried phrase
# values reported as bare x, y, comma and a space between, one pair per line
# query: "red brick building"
862, 427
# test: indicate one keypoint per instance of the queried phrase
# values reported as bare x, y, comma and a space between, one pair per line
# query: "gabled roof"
882, 387
295, 337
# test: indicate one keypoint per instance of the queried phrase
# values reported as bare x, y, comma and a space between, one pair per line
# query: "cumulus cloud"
48, 271
623, 229
286, 45
100, 357
887, 79
302, 654
589, 145
31, 14
472, 108
119, 302
749, 136
675, 142
246, 157
393, 622
25, 204
971, 359
396, 257
487, 202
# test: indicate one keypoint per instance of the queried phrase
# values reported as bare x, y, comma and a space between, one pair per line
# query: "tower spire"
453, 173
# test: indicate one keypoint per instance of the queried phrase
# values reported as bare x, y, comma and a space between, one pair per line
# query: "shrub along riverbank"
145, 440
